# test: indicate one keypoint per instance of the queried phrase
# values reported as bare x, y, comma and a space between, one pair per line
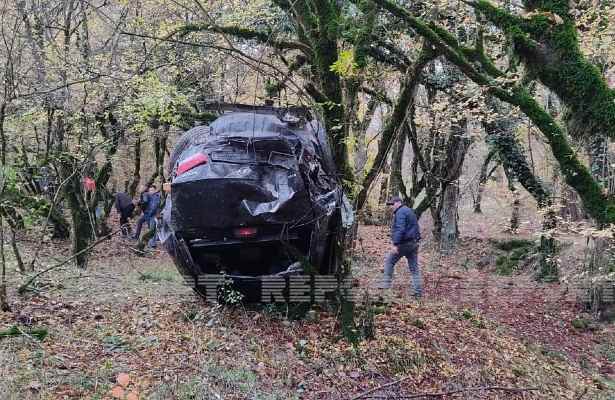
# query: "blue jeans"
144, 218
153, 225
410, 251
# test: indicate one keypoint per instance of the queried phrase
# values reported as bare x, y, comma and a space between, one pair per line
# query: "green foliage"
116, 343
345, 66
419, 323
576, 174
580, 324
473, 318
153, 103
228, 295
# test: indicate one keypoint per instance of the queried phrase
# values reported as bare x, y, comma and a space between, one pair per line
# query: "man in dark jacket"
149, 203
124, 207
405, 236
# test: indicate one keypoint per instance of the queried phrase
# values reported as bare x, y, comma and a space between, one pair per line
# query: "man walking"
125, 207
405, 236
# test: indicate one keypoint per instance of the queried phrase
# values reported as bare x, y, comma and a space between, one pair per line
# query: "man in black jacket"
405, 236
125, 207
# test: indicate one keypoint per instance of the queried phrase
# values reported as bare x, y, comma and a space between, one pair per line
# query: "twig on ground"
395, 382
582, 394
449, 393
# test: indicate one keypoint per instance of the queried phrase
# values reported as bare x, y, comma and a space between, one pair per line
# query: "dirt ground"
127, 328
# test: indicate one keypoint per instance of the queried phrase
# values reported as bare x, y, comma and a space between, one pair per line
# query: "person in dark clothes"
405, 236
150, 202
125, 207
153, 211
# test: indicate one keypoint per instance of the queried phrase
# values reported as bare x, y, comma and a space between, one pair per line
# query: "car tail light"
191, 162
244, 233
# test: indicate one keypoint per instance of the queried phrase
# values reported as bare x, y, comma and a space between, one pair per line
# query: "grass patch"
473, 318
517, 250
159, 276
401, 357
115, 343
218, 382
607, 350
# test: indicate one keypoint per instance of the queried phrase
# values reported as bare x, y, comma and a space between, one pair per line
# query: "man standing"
124, 207
150, 202
405, 236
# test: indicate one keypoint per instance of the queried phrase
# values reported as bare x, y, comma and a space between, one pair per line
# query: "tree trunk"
445, 212
449, 217
514, 217
516, 203
3, 142
136, 174
384, 185
597, 149
360, 134
83, 231
4, 303
485, 173
397, 183
16, 253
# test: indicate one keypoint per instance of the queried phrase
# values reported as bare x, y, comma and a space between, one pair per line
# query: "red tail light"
191, 162
244, 233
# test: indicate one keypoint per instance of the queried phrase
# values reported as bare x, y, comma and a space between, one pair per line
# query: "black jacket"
122, 201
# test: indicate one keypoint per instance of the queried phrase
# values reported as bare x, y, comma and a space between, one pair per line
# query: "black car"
253, 194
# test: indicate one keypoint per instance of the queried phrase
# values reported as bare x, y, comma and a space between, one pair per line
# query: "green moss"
512, 244
563, 68
557, 6
580, 324
419, 323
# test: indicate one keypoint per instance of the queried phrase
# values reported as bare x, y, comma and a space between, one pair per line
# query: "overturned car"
254, 194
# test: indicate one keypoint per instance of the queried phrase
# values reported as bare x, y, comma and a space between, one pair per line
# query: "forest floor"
127, 328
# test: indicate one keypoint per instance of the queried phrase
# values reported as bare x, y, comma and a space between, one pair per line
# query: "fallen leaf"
123, 379
132, 396
117, 392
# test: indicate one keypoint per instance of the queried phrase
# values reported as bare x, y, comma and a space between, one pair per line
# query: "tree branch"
597, 204
390, 131
265, 38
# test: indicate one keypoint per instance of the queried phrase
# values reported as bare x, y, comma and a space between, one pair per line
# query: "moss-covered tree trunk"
4, 302
449, 217
501, 138
83, 229
396, 184
445, 210
136, 173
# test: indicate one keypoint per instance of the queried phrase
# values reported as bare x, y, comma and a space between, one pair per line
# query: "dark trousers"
125, 215
144, 218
